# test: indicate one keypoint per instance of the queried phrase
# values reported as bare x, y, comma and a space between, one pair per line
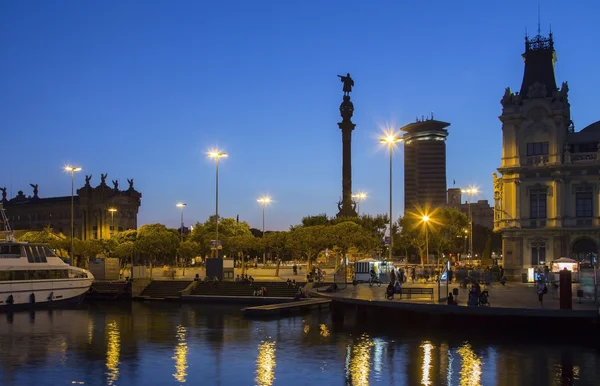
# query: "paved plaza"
512, 295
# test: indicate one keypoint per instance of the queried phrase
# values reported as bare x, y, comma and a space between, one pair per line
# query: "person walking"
541, 291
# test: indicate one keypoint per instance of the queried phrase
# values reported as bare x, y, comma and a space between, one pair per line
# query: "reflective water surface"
171, 344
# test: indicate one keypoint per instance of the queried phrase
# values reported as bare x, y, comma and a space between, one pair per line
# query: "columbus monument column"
347, 207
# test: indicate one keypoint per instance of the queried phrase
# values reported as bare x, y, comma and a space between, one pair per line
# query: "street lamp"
426, 220
264, 201
216, 155
390, 140
72, 170
181, 205
112, 220
358, 197
470, 192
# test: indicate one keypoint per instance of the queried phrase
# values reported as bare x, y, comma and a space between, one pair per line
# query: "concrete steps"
274, 289
164, 289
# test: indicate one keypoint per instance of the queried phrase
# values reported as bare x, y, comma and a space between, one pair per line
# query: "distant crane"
8, 233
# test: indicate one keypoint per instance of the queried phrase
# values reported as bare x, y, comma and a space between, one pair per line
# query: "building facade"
481, 211
424, 165
546, 195
99, 212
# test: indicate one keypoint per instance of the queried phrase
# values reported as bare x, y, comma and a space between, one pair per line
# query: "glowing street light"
264, 201
72, 170
390, 140
181, 205
216, 155
470, 192
426, 221
112, 220
358, 197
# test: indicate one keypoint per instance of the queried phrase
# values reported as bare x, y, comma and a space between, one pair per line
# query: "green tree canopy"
156, 244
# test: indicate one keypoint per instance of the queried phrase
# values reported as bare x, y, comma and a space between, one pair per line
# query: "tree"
446, 231
187, 251
204, 233
156, 244
276, 242
59, 243
124, 252
413, 233
242, 244
349, 234
309, 241
127, 235
309, 221
86, 250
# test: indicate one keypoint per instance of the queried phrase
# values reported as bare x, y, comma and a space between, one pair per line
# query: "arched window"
585, 251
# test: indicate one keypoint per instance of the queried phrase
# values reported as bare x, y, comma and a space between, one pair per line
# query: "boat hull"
42, 293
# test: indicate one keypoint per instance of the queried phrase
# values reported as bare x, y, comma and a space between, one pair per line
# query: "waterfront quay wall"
438, 317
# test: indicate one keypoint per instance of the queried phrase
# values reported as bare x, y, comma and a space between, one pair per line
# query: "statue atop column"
347, 206
348, 84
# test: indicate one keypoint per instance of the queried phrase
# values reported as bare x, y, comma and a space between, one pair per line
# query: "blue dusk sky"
142, 89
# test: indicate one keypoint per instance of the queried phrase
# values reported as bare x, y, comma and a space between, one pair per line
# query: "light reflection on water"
216, 345
359, 361
113, 352
427, 349
470, 372
181, 351
265, 364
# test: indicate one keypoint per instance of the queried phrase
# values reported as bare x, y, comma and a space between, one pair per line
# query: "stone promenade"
512, 295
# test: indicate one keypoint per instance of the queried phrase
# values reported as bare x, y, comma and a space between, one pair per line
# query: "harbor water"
175, 344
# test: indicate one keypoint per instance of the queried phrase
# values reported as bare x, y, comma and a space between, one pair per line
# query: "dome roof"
594, 127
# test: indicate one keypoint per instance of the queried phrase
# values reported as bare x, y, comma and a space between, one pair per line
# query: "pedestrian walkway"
512, 295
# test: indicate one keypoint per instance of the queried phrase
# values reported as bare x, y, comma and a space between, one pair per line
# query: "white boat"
32, 275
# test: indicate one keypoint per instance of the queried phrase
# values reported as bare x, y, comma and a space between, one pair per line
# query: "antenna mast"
8, 233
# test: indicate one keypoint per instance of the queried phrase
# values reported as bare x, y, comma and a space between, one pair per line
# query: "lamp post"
391, 140
264, 201
181, 205
470, 192
216, 155
425, 221
72, 170
112, 220
358, 197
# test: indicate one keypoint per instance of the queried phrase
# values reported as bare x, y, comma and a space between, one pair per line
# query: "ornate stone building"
92, 217
546, 198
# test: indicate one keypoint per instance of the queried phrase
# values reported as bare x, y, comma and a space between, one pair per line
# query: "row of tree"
157, 245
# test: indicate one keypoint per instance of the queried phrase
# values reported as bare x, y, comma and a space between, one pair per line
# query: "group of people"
262, 291
315, 274
291, 283
244, 279
301, 294
477, 297
397, 278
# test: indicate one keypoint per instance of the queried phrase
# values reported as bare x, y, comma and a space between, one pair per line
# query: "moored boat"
33, 275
